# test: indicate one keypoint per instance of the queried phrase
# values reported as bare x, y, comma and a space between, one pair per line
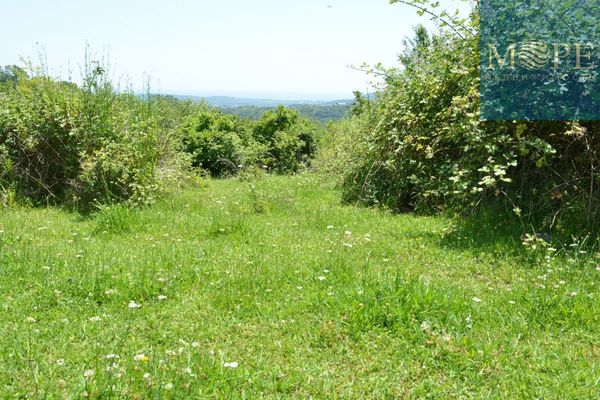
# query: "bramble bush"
420, 146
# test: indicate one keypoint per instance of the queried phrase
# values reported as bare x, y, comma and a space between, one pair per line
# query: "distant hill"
232, 102
252, 108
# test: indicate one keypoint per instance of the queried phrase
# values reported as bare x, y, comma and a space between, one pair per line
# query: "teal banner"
540, 60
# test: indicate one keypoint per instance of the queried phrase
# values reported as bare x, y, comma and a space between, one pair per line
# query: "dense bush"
421, 146
64, 144
216, 142
280, 141
287, 140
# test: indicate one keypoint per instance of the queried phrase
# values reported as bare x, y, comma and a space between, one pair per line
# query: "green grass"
310, 298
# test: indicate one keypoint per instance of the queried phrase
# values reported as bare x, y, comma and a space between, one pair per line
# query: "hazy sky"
258, 48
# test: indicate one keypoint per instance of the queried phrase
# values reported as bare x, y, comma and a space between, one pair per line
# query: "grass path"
274, 290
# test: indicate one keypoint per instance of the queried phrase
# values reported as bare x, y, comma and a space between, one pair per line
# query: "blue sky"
259, 48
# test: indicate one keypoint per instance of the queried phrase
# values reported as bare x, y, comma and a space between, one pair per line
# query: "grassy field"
272, 289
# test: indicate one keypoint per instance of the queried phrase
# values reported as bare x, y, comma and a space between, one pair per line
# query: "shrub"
222, 144
215, 141
287, 140
64, 144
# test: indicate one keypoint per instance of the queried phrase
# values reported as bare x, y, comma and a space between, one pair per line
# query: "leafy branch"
426, 7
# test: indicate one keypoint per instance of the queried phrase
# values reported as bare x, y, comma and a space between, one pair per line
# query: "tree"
11, 73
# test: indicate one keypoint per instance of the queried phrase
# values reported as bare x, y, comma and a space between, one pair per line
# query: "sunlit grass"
273, 289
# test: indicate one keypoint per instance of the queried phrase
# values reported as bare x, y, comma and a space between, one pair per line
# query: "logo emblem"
534, 55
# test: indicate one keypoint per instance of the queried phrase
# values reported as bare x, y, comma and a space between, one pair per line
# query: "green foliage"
10, 74
170, 111
278, 120
222, 144
287, 140
338, 150
215, 141
361, 104
81, 146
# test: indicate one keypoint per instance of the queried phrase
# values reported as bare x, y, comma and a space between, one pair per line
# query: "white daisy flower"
133, 304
